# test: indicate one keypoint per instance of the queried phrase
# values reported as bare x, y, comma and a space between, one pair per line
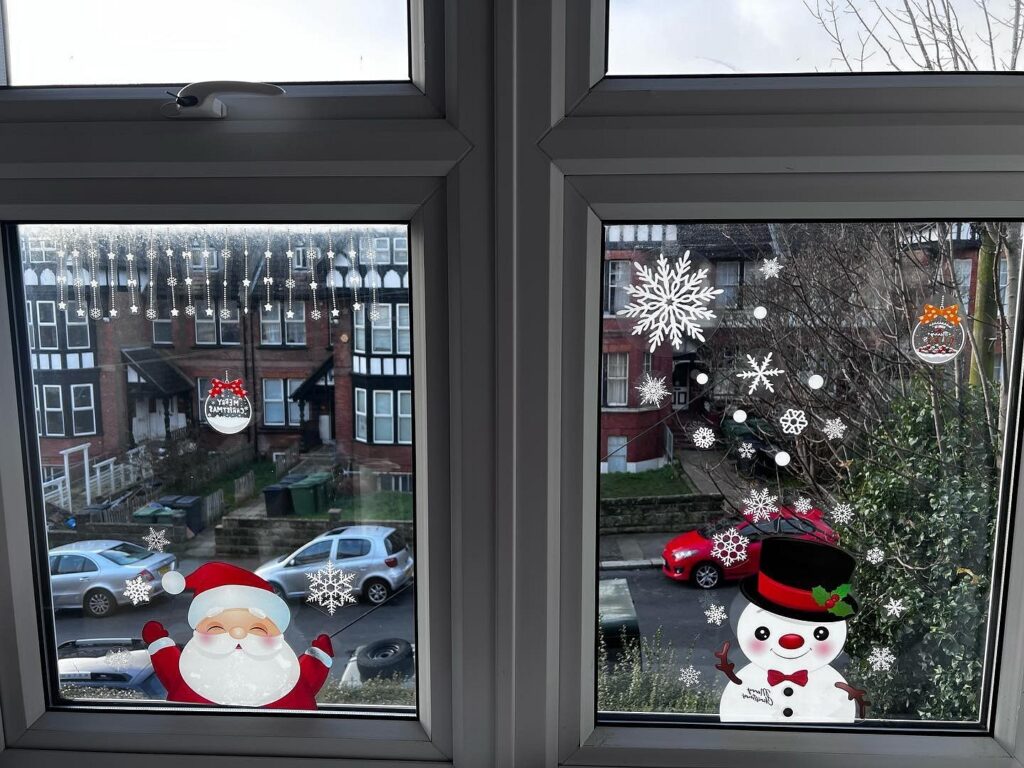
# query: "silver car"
107, 668
378, 556
91, 575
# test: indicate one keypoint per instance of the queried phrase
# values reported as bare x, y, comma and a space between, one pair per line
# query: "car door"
70, 578
355, 555
311, 558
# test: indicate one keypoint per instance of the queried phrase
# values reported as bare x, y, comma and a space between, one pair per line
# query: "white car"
377, 555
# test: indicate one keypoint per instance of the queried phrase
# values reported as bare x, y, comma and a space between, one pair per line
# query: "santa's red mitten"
323, 643
153, 631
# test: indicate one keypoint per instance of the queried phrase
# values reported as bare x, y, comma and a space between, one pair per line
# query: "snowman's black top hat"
789, 574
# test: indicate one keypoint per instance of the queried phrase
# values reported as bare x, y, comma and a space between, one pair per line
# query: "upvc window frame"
385, 327
39, 325
389, 416
58, 410
279, 400
360, 435
76, 409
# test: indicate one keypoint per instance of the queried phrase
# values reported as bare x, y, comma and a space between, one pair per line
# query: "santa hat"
219, 586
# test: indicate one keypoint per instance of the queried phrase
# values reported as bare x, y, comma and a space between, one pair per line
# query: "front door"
617, 453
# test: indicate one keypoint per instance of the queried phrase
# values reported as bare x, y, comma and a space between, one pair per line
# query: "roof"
157, 370
94, 545
305, 389
358, 530
724, 236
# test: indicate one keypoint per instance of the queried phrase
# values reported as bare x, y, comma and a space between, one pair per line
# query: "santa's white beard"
261, 671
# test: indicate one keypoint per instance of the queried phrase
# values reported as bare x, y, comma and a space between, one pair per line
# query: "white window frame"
203, 384
71, 319
59, 409
36, 397
624, 268
400, 245
389, 416
381, 245
403, 331
359, 411
75, 409
359, 330
162, 322
202, 320
290, 386
54, 325
380, 325
30, 314
282, 400
299, 309
608, 403
266, 322
404, 414
41, 250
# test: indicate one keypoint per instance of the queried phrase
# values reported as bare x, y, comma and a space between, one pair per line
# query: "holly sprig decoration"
833, 600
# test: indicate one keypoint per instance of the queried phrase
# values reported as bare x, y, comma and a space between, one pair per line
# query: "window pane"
124, 446
381, 329
340, 41
818, 474
737, 37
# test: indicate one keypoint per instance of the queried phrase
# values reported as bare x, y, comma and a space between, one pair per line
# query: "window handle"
198, 101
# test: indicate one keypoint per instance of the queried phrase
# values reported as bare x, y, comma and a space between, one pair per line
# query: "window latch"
198, 101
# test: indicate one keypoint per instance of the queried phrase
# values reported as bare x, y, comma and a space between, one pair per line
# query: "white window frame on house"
383, 326
163, 322
294, 408
359, 330
608, 378
387, 418
234, 319
51, 324
203, 384
400, 248
299, 321
274, 400
73, 321
404, 397
91, 409
41, 250
268, 321
381, 250
36, 398
621, 268
209, 325
403, 330
30, 315
59, 409
360, 424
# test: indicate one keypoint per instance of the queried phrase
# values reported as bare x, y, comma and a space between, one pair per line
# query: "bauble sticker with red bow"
227, 408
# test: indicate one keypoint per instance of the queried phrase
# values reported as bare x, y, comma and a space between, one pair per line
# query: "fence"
245, 486
215, 464
285, 460
213, 507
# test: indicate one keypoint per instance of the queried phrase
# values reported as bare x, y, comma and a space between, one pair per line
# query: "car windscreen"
125, 554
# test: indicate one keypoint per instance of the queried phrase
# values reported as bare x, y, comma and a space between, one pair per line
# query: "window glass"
401, 249
381, 329
403, 335
821, 521
616, 280
650, 37
353, 548
134, 477
342, 41
359, 329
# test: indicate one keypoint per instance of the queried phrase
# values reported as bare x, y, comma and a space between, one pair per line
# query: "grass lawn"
262, 470
374, 507
667, 481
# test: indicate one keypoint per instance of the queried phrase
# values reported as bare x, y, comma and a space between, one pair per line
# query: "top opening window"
649, 37
231, 40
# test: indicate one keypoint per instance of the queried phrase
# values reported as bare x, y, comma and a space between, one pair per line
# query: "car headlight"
682, 554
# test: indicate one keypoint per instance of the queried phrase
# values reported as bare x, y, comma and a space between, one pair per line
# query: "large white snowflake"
759, 373
330, 588
746, 450
670, 301
137, 590
652, 391
156, 540
843, 513
802, 505
895, 607
730, 547
716, 614
834, 429
119, 659
760, 505
874, 556
770, 268
881, 659
689, 676
703, 437
793, 421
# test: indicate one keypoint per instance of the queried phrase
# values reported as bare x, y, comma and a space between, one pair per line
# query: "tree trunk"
986, 316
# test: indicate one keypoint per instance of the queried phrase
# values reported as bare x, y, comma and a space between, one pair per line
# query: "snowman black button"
787, 691
787, 712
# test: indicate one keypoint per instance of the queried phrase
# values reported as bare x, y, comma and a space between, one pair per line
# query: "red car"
687, 557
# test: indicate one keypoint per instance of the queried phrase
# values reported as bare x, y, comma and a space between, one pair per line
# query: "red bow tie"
775, 677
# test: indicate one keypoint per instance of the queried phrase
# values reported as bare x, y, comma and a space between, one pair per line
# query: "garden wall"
130, 532
659, 514
267, 537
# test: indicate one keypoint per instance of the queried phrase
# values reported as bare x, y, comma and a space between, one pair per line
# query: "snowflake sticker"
119, 659
330, 588
716, 614
834, 429
874, 556
759, 506
156, 540
843, 514
670, 302
746, 451
652, 391
137, 590
771, 268
881, 659
730, 547
895, 607
793, 421
759, 373
802, 505
703, 437
689, 676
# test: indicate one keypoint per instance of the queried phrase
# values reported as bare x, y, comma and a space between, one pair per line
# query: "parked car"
91, 575
687, 557
377, 555
107, 667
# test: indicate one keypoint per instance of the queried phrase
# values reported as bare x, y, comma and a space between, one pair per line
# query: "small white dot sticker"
739, 416
760, 313
816, 382
782, 458
702, 378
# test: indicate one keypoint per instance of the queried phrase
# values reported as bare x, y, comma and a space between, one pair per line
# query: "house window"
83, 413
727, 278
206, 328
46, 320
401, 249
39, 414
76, 327
230, 330
381, 330
303, 254
405, 417
383, 417
382, 250
359, 329
31, 326
203, 385
273, 402
41, 249
964, 270
294, 408
648, 362
616, 379
53, 410
403, 332
270, 324
163, 332
616, 279
295, 326
196, 261
360, 409
1004, 280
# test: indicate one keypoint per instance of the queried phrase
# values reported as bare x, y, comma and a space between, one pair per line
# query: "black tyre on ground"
99, 603
385, 658
707, 576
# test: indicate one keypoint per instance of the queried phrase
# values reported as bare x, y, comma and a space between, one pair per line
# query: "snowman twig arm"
858, 694
725, 665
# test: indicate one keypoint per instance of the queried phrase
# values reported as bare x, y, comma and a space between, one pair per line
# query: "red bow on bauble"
218, 387
931, 312
775, 677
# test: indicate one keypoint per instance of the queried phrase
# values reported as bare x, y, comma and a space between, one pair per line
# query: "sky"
119, 42
752, 36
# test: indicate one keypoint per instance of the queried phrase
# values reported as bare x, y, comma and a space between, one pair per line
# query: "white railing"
57, 492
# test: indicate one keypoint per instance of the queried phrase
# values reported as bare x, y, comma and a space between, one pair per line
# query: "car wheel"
377, 591
707, 575
385, 658
99, 603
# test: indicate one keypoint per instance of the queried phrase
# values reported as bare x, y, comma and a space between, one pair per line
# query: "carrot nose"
791, 642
